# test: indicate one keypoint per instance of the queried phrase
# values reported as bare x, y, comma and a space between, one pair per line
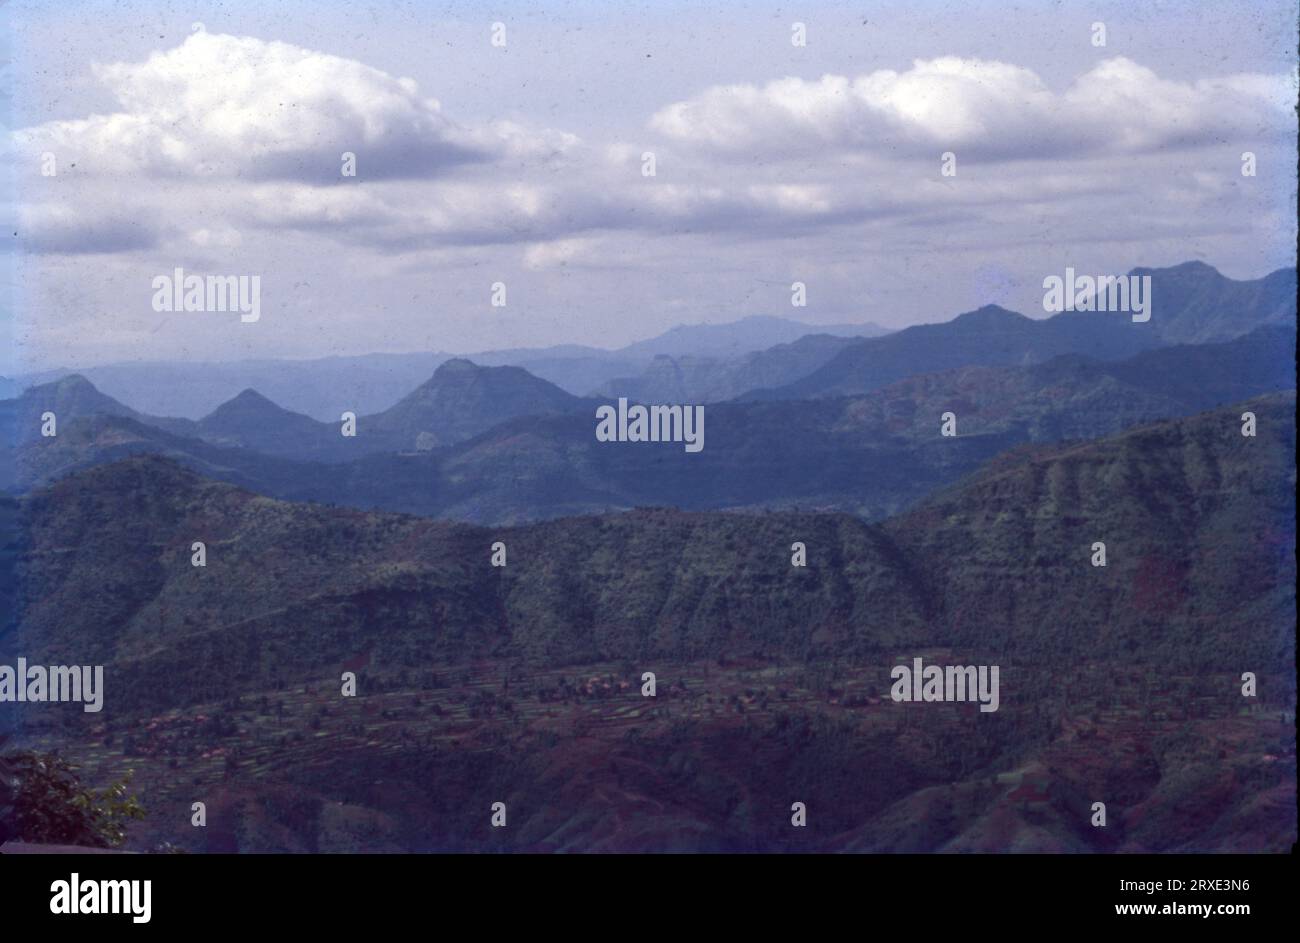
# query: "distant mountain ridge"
988, 336
939, 575
737, 338
872, 455
1190, 303
372, 383
1209, 307
459, 401
762, 357
698, 379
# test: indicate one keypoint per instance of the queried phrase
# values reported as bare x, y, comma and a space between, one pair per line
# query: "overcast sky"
217, 148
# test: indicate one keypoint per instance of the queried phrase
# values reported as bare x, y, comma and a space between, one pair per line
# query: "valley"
393, 632
711, 763
522, 684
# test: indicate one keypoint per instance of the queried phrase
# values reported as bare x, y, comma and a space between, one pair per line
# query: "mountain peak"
1193, 267
248, 397
458, 366
988, 314
462, 399
75, 382
247, 402
459, 372
75, 394
1194, 303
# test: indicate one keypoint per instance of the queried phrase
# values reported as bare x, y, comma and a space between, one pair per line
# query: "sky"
210, 137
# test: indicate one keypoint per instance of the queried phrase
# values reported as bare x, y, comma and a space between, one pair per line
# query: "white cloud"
220, 105
975, 107
273, 119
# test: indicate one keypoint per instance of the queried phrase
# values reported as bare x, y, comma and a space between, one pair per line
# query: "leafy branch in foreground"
42, 800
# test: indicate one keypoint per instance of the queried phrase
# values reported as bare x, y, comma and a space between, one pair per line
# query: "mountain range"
1182, 299
371, 383
701, 379
873, 454
458, 402
1173, 500
1101, 511
522, 682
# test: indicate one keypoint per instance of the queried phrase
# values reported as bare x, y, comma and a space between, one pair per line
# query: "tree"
42, 800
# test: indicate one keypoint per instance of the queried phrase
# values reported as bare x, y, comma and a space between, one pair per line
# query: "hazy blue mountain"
694, 379
87, 441
578, 375
252, 421
1194, 304
740, 337
666, 380
1076, 397
322, 389
989, 336
459, 401
249, 420
1190, 302
69, 398
371, 383
463, 399
1206, 374
872, 455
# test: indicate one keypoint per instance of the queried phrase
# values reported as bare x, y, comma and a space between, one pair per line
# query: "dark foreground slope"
522, 684
1198, 526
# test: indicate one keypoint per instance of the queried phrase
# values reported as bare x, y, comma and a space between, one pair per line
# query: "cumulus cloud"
220, 105
270, 120
982, 108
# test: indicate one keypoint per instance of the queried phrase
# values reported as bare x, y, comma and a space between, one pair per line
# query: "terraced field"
714, 761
